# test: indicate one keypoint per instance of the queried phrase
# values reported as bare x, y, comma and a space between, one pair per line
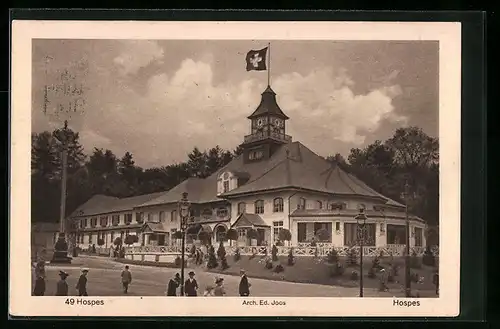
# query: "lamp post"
61, 246
407, 253
184, 206
361, 225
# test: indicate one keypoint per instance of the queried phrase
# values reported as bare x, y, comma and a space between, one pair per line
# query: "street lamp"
361, 225
407, 256
184, 207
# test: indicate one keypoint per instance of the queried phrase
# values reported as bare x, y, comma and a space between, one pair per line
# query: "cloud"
137, 54
187, 108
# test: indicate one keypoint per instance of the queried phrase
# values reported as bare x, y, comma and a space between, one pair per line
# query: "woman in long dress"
39, 279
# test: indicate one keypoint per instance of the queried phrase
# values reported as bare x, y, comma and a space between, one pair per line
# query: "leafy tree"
285, 235
232, 234
323, 234
131, 239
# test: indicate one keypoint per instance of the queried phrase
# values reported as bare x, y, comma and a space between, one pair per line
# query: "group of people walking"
191, 286
62, 288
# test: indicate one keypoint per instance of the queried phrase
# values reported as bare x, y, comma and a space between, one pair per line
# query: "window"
351, 234
115, 220
255, 154
112, 237
242, 232
278, 205
173, 216
90, 238
104, 221
223, 183
301, 204
162, 216
128, 219
302, 232
242, 206
259, 207
418, 237
150, 217
337, 206
319, 204
327, 227
207, 213
277, 227
396, 234
85, 221
139, 217
225, 186
93, 221
222, 212
337, 226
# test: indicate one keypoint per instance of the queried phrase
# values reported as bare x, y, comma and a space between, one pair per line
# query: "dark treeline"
410, 155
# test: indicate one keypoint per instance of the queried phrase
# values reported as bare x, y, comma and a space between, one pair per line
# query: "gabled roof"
249, 220
268, 105
102, 204
155, 227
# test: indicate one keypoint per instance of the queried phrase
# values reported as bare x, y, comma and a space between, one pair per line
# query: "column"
146, 239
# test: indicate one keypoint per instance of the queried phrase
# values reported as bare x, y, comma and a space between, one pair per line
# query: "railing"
319, 251
266, 134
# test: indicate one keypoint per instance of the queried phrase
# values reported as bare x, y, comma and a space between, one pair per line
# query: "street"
104, 280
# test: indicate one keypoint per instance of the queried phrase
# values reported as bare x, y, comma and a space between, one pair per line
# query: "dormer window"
226, 182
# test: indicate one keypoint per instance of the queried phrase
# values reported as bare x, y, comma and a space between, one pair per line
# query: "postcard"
235, 168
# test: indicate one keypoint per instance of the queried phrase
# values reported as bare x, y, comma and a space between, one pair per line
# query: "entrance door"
161, 239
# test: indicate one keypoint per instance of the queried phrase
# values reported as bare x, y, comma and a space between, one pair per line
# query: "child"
126, 279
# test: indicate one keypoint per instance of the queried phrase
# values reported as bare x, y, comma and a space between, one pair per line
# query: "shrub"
221, 251
118, 241
332, 257
376, 263
223, 263
323, 234
177, 235
285, 235
131, 239
291, 258
352, 258
237, 255
232, 234
204, 237
336, 270
100, 242
192, 251
354, 276
279, 268
269, 264
212, 259
274, 253
428, 259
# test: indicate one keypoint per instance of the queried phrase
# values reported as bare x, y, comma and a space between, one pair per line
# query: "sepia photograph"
261, 169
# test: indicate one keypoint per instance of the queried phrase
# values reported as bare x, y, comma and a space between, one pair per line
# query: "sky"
160, 99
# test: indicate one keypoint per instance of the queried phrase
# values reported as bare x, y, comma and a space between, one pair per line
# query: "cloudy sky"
159, 99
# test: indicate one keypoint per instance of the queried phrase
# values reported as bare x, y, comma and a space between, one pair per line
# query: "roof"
156, 227
45, 227
249, 220
193, 186
102, 204
268, 105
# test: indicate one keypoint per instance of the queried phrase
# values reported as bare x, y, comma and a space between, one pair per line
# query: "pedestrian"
173, 284
81, 286
383, 281
62, 285
219, 288
191, 286
435, 280
39, 289
244, 287
126, 279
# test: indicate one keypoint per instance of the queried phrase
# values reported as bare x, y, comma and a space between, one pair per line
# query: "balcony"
265, 135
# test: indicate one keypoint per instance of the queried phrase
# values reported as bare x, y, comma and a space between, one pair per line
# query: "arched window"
259, 207
242, 207
278, 205
319, 204
173, 216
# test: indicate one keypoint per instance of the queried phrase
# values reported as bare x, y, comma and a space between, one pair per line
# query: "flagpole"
269, 65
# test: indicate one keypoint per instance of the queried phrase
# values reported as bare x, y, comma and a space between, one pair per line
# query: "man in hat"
173, 284
39, 289
244, 287
126, 279
191, 286
81, 286
62, 285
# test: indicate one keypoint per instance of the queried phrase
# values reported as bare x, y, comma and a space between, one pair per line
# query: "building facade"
275, 184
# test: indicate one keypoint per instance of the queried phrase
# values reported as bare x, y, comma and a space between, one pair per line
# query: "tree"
204, 237
197, 163
323, 234
285, 235
131, 239
44, 159
232, 234
118, 241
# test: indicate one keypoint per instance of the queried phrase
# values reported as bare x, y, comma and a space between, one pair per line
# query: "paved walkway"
104, 280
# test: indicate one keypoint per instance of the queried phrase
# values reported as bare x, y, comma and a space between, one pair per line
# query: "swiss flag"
256, 60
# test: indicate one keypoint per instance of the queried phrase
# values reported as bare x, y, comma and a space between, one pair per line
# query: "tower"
267, 126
